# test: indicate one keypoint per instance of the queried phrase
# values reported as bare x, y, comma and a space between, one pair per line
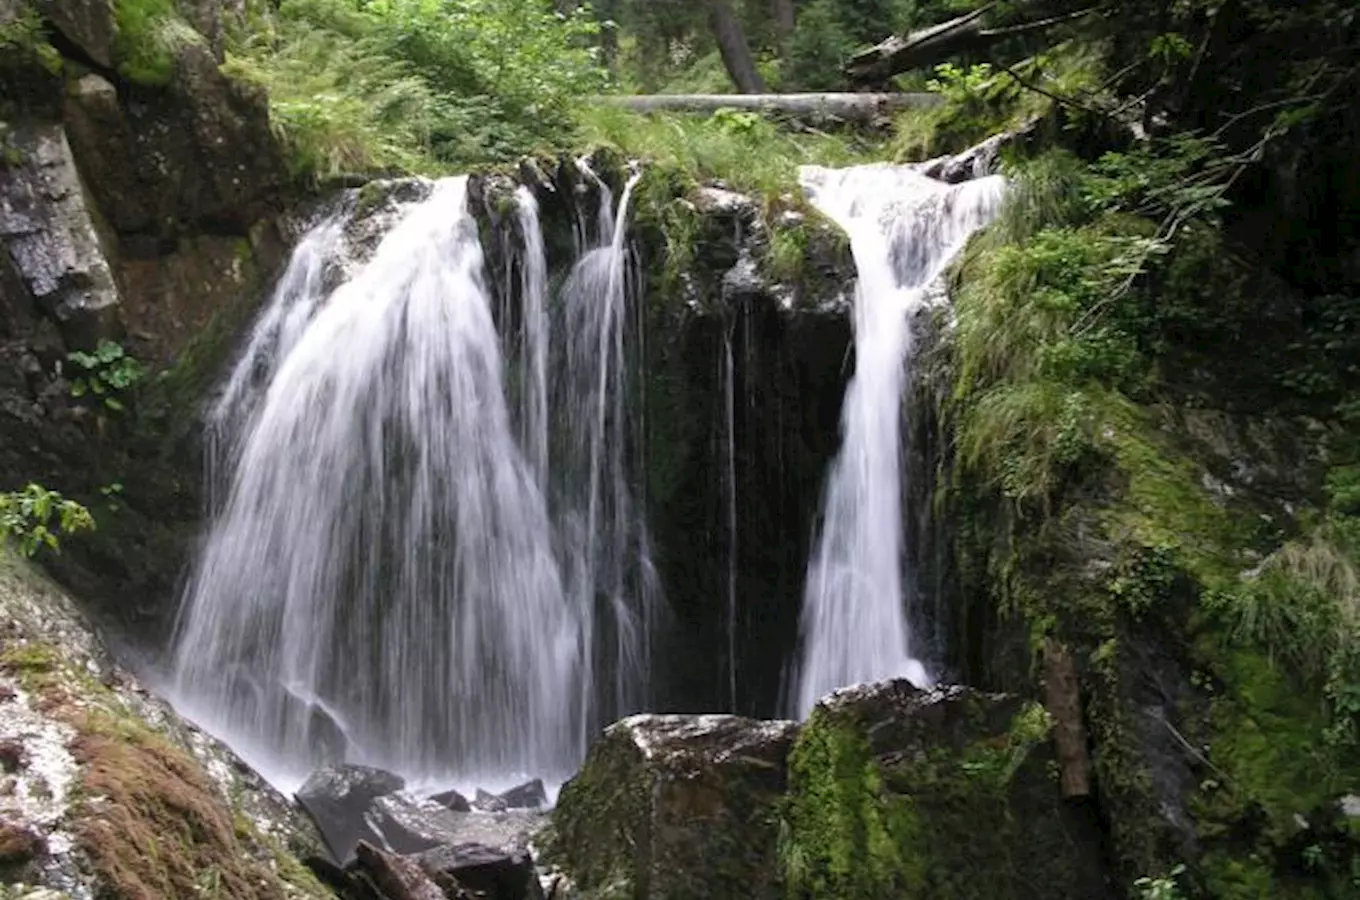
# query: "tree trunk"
819, 107
736, 53
946, 41
785, 21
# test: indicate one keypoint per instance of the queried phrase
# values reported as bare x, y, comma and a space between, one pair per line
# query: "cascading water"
602, 538
904, 230
534, 337
379, 582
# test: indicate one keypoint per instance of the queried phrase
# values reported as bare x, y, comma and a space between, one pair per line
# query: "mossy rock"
675, 807
951, 793
110, 792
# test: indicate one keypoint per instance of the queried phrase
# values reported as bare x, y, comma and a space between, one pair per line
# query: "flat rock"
394, 877
452, 800
488, 802
339, 798
530, 795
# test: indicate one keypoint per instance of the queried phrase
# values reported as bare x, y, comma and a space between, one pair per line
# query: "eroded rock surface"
50, 240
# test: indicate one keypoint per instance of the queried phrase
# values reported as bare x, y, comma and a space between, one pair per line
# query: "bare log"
941, 43
1062, 699
821, 107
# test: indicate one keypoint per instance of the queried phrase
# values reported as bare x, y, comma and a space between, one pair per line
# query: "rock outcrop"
57, 267
144, 210
949, 793
670, 807
106, 791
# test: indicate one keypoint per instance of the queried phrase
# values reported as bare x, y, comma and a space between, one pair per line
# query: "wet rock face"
948, 793
199, 155
675, 806
49, 237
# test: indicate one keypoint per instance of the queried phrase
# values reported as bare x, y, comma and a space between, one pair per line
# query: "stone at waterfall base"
387, 844
675, 807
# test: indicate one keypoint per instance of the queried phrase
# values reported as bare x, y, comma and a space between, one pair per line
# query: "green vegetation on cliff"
1154, 447
932, 804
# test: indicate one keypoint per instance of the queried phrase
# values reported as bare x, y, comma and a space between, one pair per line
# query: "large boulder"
338, 799
944, 794
88, 25
675, 807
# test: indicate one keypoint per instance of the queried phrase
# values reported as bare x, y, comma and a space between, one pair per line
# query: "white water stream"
904, 230
386, 579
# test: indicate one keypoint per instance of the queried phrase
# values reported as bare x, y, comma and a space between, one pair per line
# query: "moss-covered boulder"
672, 807
950, 793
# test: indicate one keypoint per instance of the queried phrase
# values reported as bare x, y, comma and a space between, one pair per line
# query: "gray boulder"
339, 798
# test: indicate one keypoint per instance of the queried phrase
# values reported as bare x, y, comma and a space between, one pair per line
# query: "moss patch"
151, 823
150, 34
965, 806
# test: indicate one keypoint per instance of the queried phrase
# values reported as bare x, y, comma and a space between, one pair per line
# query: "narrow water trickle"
730, 493
602, 535
379, 583
904, 230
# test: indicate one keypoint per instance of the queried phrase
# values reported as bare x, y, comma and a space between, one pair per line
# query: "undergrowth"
412, 86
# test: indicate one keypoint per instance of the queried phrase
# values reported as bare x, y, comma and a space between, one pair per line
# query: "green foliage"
32, 518
788, 250
1302, 605
150, 34
980, 100
107, 374
415, 85
1165, 887
23, 41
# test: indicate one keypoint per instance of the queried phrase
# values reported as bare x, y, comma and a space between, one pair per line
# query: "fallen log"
849, 107
940, 43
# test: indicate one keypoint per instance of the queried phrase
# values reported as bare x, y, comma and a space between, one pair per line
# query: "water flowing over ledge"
905, 228
398, 572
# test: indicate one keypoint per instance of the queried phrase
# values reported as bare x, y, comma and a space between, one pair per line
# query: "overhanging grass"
746, 151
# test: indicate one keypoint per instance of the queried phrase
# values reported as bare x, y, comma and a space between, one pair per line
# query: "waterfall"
379, 581
904, 230
603, 540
